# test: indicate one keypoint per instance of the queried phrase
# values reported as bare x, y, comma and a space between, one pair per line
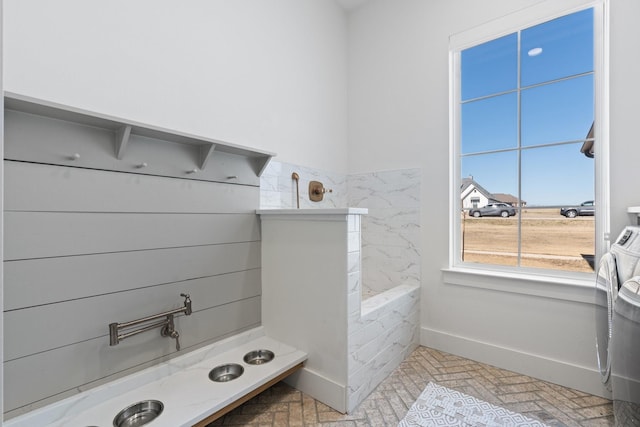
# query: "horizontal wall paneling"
63, 234
66, 368
37, 187
49, 280
115, 234
78, 320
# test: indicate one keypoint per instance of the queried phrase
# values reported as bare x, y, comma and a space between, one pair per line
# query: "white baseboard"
555, 371
320, 388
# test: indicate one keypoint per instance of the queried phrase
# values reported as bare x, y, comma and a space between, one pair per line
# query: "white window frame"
531, 281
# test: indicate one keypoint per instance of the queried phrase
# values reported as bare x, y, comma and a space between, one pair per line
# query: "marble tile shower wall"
391, 230
278, 189
385, 334
381, 331
383, 253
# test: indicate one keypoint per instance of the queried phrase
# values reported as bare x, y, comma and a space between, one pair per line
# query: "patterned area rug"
441, 406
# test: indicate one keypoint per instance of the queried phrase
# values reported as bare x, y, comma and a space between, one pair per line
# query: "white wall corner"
321, 388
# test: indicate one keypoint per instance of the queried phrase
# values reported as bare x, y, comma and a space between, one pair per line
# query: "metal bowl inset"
259, 357
224, 373
138, 414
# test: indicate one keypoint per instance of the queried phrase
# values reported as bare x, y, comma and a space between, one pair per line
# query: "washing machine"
606, 294
625, 354
617, 330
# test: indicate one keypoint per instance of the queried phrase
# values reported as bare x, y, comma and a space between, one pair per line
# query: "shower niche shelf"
40, 131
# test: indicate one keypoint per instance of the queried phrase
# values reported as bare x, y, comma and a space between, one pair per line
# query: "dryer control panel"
623, 239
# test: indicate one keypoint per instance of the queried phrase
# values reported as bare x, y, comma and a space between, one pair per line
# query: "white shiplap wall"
85, 247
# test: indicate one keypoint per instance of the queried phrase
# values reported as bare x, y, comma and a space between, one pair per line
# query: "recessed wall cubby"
44, 132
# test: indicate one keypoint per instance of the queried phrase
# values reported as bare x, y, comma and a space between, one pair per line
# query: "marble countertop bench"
182, 384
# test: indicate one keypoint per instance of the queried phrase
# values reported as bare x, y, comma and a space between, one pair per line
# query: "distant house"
587, 147
509, 199
473, 195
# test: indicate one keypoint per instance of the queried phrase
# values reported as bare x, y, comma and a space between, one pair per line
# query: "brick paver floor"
284, 406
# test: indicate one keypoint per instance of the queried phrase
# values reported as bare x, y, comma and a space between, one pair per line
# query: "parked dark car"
493, 209
585, 209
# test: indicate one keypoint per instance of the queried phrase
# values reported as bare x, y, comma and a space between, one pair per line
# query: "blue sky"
556, 106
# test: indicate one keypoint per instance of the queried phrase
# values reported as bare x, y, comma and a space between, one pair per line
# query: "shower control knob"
317, 191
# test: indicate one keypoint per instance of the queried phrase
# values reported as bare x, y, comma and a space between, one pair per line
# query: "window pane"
490, 68
557, 176
559, 48
496, 172
490, 124
488, 237
524, 122
550, 240
561, 111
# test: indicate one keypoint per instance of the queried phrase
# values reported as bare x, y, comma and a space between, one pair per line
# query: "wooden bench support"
233, 405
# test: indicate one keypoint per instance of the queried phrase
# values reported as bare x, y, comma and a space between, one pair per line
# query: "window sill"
576, 289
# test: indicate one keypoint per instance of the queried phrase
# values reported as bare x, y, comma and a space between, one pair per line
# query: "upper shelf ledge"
314, 211
636, 211
123, 128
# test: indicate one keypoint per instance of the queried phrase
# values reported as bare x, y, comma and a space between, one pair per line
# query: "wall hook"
74, 156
